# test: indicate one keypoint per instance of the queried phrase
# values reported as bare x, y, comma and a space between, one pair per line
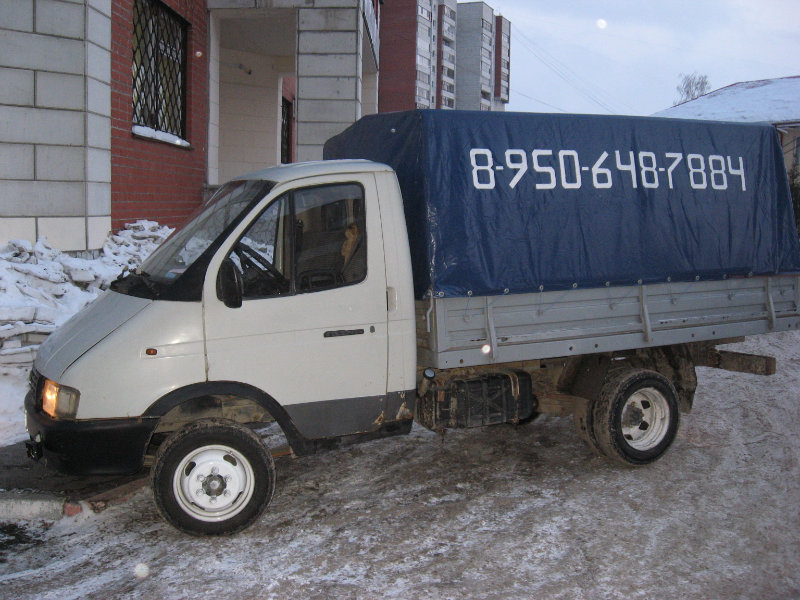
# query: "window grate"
159, 68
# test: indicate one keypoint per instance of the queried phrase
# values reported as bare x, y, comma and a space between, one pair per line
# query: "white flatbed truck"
315, 296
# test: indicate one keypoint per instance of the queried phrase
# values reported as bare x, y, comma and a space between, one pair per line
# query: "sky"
627, 56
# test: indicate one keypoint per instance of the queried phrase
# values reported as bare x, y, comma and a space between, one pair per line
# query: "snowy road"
502, 512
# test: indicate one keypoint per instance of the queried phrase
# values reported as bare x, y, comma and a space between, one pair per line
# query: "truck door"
312, 328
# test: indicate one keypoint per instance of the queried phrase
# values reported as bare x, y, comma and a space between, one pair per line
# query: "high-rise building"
483, 59
443, 54
446, 54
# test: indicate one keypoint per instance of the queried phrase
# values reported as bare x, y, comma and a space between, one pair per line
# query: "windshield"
177, 268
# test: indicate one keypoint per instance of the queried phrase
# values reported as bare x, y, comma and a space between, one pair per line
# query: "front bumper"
91, 447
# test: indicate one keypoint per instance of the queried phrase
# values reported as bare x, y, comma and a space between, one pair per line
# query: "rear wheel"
635, 417
583, 420
213, 477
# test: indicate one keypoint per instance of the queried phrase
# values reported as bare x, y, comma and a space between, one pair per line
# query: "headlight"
59, 401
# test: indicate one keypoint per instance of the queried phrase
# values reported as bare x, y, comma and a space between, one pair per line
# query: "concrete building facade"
446, 52
55, 121
483, 64
326, 51
107, 115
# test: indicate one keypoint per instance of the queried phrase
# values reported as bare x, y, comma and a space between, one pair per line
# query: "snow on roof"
771, 100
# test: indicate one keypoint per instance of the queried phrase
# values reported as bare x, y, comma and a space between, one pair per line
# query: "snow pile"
40, 287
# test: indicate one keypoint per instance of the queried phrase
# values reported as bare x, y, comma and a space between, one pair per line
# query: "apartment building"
443, 54
447, 34
484, 58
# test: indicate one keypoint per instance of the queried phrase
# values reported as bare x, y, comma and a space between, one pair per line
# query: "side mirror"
229, 284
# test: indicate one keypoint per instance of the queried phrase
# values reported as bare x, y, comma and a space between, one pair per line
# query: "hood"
83, 331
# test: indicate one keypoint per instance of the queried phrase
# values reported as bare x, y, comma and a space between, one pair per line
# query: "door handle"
343, 332
391, 299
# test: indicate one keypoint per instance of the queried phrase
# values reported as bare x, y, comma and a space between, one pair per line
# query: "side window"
308, 240
260, 254
330, 243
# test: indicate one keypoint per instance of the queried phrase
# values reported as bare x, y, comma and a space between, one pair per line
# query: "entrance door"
312, 328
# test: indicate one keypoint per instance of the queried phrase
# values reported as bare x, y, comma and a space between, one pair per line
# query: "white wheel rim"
645, 419
213, 483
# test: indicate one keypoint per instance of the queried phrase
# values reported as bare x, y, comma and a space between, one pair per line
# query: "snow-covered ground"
501, 512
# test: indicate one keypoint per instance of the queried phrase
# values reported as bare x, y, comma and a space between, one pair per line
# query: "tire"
213, 477
534, 416
583, 421
636, 416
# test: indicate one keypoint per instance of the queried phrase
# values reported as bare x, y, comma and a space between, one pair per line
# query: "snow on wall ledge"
161, 136
40, 287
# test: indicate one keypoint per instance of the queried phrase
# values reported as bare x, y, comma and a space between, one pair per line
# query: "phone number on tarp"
564, 169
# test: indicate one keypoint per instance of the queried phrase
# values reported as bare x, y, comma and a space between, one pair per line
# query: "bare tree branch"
691, 87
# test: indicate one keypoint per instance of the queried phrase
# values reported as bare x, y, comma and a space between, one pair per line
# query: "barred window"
159, 68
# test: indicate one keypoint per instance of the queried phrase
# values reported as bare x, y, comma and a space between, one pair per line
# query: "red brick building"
152, 178
238, 106
398, 77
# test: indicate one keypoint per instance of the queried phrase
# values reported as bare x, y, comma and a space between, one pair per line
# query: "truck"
460, 269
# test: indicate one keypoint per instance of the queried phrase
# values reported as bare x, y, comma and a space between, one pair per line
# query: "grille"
35, 381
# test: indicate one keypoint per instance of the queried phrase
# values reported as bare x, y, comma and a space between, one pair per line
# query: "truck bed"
472, 331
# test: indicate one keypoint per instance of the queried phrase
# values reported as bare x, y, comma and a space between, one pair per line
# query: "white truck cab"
275, 302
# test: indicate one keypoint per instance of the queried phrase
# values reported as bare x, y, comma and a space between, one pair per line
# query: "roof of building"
775, 101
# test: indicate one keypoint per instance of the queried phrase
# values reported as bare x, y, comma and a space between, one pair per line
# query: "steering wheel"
319, 279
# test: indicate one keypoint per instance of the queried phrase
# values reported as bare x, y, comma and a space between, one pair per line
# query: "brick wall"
398, 33
152, 179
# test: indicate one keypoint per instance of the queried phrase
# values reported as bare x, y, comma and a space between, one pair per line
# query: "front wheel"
213, 477
636, 416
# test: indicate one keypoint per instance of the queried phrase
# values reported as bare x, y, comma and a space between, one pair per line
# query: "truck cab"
287, 297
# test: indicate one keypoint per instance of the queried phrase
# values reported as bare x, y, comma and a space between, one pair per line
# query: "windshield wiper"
147, 281
128, 282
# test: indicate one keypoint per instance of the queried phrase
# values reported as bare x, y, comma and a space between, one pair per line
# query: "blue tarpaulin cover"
515, 202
